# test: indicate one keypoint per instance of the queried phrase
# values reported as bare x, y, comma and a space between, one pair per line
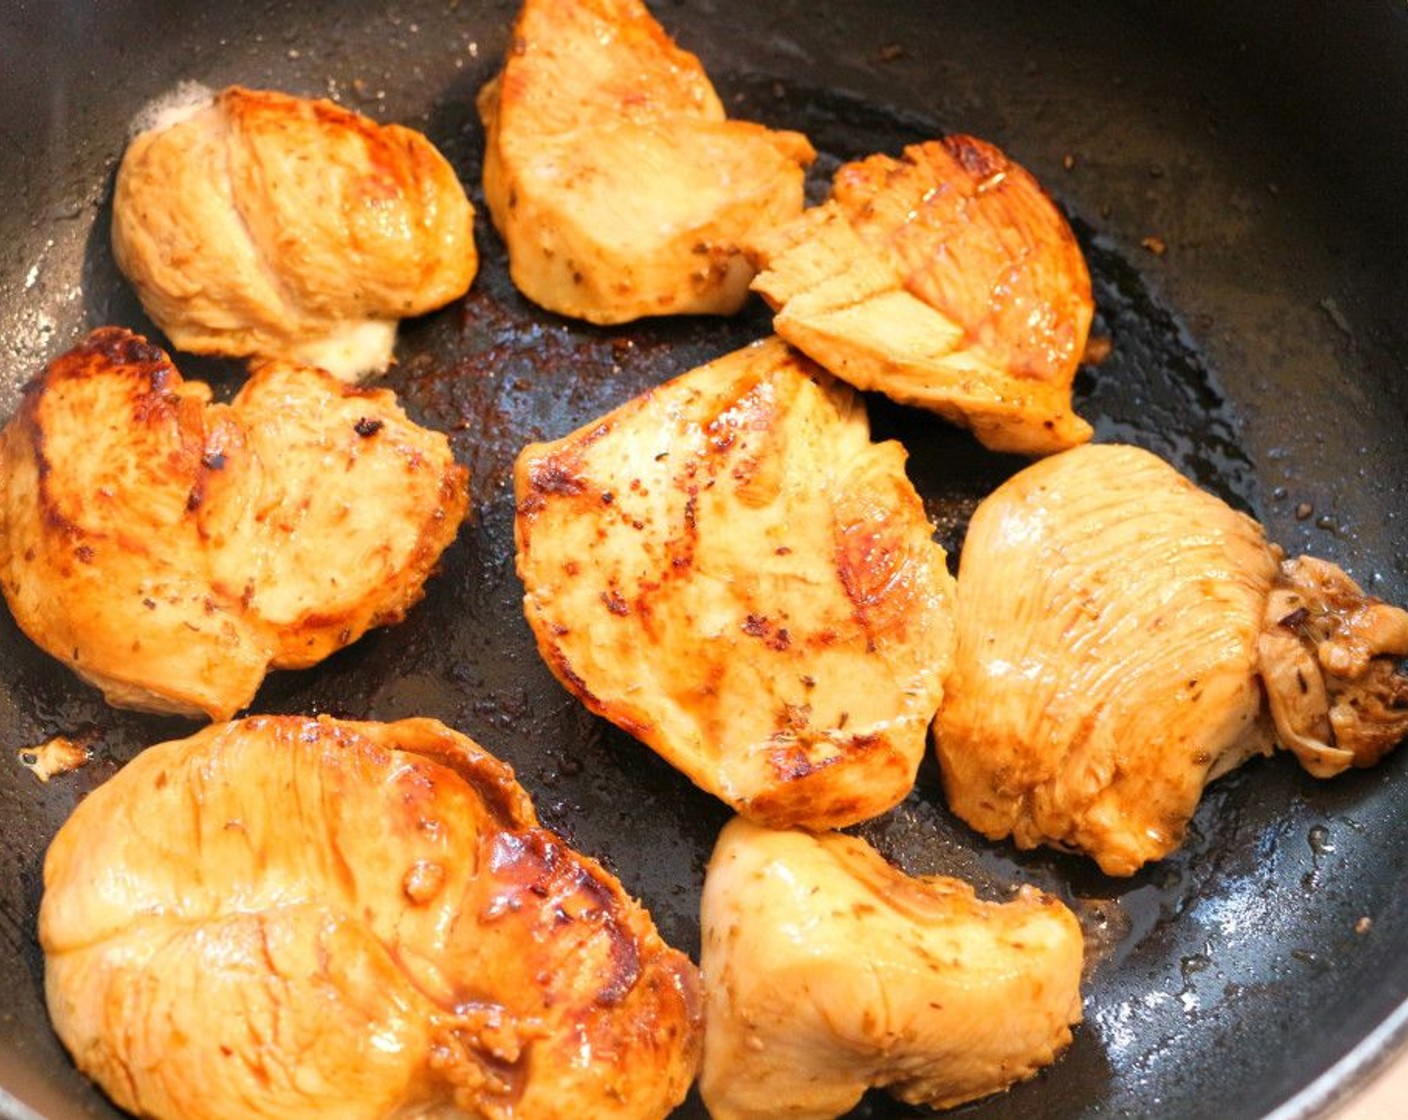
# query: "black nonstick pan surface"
1236, 175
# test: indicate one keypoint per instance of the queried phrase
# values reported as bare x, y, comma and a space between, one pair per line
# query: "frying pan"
1235, 174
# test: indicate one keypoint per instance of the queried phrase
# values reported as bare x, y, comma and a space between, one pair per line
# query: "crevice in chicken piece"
730, 570
828, 972
612, 174
946, 279
269, 225
170, 550
1117, 630
1329, 660
291, 917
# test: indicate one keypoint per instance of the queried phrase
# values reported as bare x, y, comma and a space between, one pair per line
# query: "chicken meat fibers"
1124, 638
945, 279
729, 569
171, 550
828, 972
613, 175
295, 918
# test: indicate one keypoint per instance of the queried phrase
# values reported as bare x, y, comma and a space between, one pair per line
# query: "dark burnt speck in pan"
1227, 977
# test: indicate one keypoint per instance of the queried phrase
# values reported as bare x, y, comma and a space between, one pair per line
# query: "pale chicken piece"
730, 570
612, 174
1117, 627
828, 972
946, 279
261, 224
285, 917
170, 550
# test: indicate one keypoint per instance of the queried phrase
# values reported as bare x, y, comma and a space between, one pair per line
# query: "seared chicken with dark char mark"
613, 175
728, 568
286, 917
946, 279
171, 550
269, 225
828, 972
1117, 630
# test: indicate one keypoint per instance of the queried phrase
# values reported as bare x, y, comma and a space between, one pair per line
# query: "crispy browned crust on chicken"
946, 279
828, 972
1329, 661
613, 175
1109, 613
728, 568
288, 917
171, 550
280, 226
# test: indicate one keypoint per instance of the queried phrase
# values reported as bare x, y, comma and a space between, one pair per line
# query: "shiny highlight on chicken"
286, 917
1117, 630
614, 176
946, 279
828, 972
729, 569
261, 224
171, 550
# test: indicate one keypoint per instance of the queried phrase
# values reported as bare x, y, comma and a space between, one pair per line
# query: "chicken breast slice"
828, 972
946, 279
612, 174
728, 568
1117, 628
287, 917
170, 550
269, 225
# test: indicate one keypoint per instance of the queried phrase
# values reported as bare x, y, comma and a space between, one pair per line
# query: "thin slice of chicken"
170, 550
828, 972
277, 226
946, 279
286, 917
612, 174
729, 569
1117, 627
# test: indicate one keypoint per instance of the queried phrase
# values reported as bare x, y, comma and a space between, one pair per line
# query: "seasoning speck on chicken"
170, 550
946, 279
828, 972
729, 569
262, 224
613, 175
1117, 629
289, 917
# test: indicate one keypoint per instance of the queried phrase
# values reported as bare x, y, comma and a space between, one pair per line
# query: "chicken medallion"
1117, 628
729, 569
287, 917
170, 550
946, 279
264, 224
612, 174
827, 972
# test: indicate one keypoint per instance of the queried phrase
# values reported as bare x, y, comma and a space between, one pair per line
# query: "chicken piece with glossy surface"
612, 174
170, 550
286, 917
1116, 626
828, 972
946, 279
261, 224
730, 570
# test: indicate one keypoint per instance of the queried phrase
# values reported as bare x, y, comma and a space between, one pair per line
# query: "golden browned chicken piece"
728, 568
612, 174
828, 972
1116, 627
264, 224
171, 550
285, 917
946, 279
